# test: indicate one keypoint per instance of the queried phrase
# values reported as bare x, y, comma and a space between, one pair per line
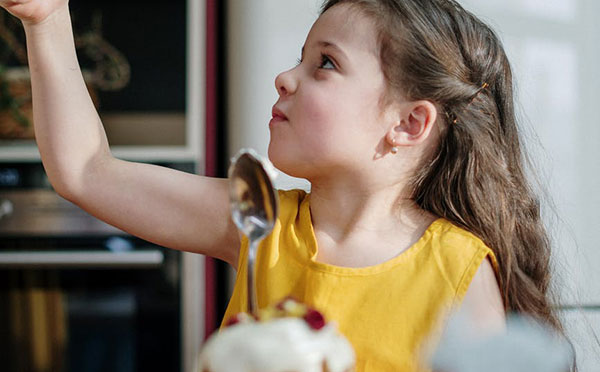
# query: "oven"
79, 295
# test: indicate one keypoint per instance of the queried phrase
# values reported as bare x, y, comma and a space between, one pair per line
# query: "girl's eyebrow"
329, 44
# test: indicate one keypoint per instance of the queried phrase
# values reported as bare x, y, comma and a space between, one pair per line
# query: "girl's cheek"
319, 110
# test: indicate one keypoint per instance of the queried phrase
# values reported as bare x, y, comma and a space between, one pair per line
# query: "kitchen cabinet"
158, 115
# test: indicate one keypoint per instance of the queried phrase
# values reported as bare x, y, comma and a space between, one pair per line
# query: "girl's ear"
416, 119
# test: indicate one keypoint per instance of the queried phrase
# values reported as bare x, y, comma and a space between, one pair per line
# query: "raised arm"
170, 208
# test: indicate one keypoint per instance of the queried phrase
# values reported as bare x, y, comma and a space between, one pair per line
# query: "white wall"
554, 46
265, 38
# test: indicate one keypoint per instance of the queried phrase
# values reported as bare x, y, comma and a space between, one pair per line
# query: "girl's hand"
33, 12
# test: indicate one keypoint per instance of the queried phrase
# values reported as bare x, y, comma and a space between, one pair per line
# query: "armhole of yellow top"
283, 194
241, 262
482, 253
243, 253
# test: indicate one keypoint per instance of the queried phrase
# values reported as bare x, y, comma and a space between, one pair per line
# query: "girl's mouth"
277, 116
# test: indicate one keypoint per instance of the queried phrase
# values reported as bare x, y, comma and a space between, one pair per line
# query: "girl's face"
328, 117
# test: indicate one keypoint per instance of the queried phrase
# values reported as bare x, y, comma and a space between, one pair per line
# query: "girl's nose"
285, 83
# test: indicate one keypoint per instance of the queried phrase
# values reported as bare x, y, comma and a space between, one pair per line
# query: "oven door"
92, 317
78, 295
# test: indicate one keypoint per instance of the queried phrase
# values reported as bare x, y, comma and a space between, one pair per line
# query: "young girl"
400, 114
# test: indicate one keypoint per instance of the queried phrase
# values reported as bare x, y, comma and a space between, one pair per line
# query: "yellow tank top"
387, 311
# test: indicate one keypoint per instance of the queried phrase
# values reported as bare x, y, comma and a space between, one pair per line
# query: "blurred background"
75, 293
187, 87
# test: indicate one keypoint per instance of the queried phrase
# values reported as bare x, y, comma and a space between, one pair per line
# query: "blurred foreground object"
288, 336
525, 346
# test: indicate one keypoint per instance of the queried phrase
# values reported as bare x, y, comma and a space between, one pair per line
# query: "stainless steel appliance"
77, 294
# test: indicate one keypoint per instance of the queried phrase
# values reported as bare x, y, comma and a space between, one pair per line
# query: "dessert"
288, 337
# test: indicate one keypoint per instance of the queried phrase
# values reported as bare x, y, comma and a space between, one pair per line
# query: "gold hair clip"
483, 86
455, 117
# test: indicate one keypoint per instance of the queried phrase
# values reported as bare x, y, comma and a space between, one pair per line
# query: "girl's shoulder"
458, 252
447, 235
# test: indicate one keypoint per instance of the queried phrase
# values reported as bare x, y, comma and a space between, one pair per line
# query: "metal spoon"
254, 207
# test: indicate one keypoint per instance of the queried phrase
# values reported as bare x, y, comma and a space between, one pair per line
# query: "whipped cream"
278, 345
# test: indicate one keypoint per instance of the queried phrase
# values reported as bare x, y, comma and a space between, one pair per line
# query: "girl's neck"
364, 226
346, 209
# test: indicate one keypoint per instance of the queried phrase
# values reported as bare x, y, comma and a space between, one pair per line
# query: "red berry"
233, 320
314, 319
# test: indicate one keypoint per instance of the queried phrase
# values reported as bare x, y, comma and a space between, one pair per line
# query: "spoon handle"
251, 290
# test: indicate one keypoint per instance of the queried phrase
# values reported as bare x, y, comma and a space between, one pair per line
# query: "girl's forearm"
69, 134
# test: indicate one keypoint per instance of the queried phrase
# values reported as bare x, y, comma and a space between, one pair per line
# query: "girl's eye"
326, 63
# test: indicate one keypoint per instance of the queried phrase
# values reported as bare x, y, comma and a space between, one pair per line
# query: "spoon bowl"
254, 207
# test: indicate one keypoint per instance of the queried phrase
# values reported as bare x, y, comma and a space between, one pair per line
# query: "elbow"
66, 184
73, 181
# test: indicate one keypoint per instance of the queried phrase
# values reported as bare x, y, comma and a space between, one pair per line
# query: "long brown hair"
436, 50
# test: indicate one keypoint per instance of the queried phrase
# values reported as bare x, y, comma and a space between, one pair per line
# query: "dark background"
152, 36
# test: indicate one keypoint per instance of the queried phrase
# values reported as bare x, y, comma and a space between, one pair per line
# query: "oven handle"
82, 259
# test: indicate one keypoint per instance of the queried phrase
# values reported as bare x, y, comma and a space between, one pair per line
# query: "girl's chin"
287, 163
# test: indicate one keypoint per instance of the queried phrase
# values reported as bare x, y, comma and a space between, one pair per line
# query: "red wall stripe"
211, 149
